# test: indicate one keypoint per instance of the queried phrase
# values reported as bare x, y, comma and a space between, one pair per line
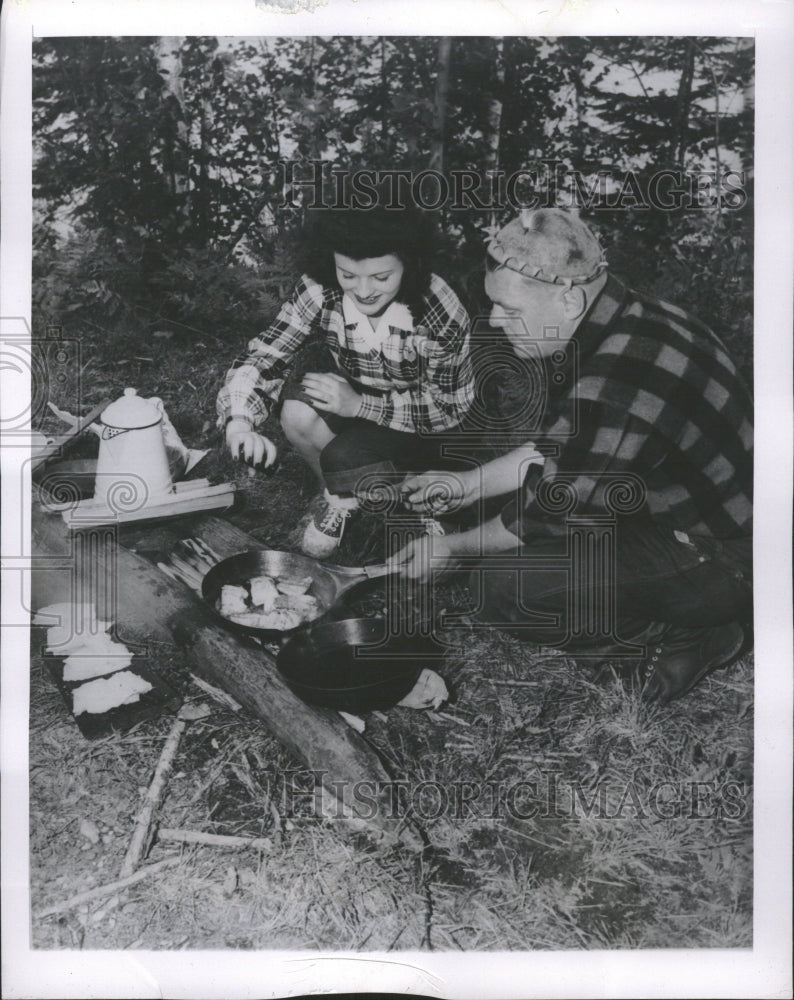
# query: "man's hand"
436, 553
441, 492
421, 556
332, 393
255, 447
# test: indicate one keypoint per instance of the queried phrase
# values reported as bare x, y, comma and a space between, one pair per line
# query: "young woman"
392, 374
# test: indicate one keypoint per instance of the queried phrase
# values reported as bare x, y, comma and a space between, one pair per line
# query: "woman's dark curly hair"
361, 233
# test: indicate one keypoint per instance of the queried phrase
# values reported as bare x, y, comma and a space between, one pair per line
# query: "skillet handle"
350, 573
378, 570
347, 577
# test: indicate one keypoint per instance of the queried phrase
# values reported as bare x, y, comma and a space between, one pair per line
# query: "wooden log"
156, 609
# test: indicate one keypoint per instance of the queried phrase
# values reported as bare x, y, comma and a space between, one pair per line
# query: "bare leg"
307, 432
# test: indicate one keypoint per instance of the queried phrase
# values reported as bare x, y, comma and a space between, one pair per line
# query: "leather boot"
676, 658
684, 656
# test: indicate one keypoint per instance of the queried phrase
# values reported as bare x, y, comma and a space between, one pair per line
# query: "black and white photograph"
388, 584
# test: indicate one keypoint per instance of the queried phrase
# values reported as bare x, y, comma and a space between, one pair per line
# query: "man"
633, 538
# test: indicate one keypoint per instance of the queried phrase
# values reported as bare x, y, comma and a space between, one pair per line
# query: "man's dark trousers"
606, 586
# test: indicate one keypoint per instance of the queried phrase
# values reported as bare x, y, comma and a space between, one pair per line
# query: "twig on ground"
217, 694
104, 890
213, 839
154, 795
514, 684
276, 822
446, 715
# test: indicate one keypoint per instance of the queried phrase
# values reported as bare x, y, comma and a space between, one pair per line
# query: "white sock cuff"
345, 503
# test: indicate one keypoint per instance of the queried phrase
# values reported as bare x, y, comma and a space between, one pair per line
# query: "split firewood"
186, 572
203, 550
169, 572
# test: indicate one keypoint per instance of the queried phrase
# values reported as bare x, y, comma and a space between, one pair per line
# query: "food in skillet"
270, 603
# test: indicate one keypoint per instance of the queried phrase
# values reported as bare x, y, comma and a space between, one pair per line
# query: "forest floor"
562, 811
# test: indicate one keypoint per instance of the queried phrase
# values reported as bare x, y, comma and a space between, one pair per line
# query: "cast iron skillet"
329, 582
355, 665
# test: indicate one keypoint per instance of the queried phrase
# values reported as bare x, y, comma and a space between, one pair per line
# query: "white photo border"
765, 969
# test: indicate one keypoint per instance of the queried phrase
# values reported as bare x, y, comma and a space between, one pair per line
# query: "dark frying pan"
329, 582
355, 665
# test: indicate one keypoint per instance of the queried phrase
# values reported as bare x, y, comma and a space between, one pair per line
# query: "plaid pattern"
658, 398
419, 379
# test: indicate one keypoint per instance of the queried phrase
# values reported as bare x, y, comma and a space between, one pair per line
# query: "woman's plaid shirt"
418, 379
649, 396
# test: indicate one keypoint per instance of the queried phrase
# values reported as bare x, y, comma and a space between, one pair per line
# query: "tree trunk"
201, 194
495, 107
440, 103
384, 94
682, 104
175, 138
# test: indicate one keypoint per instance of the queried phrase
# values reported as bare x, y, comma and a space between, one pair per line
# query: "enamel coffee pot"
132, 453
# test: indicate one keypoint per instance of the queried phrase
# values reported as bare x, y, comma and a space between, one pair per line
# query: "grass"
647, 842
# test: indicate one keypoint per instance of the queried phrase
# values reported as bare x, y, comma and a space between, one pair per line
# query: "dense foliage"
160, 198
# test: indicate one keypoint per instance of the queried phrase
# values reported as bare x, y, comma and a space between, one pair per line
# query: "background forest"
160, 200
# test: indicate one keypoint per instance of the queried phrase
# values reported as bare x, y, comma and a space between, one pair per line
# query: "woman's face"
371, 283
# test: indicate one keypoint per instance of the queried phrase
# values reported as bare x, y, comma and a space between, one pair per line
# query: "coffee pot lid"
130, 412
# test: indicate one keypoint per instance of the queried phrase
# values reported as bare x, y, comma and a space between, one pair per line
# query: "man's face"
530, 313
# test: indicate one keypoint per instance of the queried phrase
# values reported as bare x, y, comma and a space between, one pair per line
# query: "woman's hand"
423, 556
441, 492
240, 435
332, 393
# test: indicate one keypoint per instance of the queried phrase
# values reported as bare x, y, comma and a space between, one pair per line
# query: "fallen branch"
513, 684
91, 895
143, 821
213, 839
436, 716
276, 822
216, 694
